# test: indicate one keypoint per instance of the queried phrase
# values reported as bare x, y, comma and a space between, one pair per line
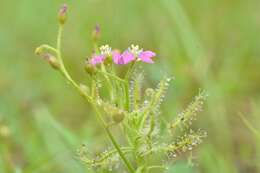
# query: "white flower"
105, 50
134, 49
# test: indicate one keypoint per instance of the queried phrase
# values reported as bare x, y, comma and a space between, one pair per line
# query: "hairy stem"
127, 98
249, 126
127, 76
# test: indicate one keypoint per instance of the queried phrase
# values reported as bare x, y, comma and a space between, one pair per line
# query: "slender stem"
113, 76
125, 85
110, 86
128, 165
107, 155
59, 44
47, 47
127, 76
111, 137
127, 101
249, 125
63, 70
130, 70
89, 99
156, 167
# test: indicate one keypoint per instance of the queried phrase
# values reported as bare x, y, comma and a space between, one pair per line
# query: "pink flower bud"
96, 33
62, 15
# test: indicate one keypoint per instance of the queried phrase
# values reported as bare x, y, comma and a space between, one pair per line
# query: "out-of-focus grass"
212, 45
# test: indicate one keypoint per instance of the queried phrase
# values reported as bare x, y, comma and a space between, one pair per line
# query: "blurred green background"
208, 44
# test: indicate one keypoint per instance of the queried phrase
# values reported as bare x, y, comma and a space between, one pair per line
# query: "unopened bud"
90, 68
52, 60
96, 33
38, 50
118, 116
62, 15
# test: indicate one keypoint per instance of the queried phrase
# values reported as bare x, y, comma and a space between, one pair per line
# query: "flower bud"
96, 33
38, 50
90, 68
62, 15
52, 60
118, 116
108, 60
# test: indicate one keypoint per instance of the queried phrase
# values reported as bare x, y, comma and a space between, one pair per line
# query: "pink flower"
123, 58
128, 56
97, 59
117, 58
104, 52
146, 56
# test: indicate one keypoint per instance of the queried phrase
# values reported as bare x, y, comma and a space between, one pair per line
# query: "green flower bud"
90, 68
118, 116
62, 15
38, 50
108, 61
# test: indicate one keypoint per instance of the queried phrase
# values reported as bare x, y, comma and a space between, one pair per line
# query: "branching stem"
90, 99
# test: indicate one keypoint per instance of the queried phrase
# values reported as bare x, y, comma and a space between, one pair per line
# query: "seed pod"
52, 60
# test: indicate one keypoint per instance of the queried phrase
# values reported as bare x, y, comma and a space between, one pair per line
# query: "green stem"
127, 101
98, 161
129, 71
59, 44
128, 165
127, 76
111, 137
249, 126
89, 99
63, 70
112, 76
49, 48
110, 86
156, 167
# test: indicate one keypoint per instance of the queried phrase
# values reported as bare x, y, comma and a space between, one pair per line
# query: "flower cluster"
133, 53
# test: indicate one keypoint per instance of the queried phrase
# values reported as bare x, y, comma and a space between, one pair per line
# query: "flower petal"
127, 57
117, 58
97, 59
146, 56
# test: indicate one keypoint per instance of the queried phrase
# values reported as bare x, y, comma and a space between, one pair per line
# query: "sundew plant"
121, 102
